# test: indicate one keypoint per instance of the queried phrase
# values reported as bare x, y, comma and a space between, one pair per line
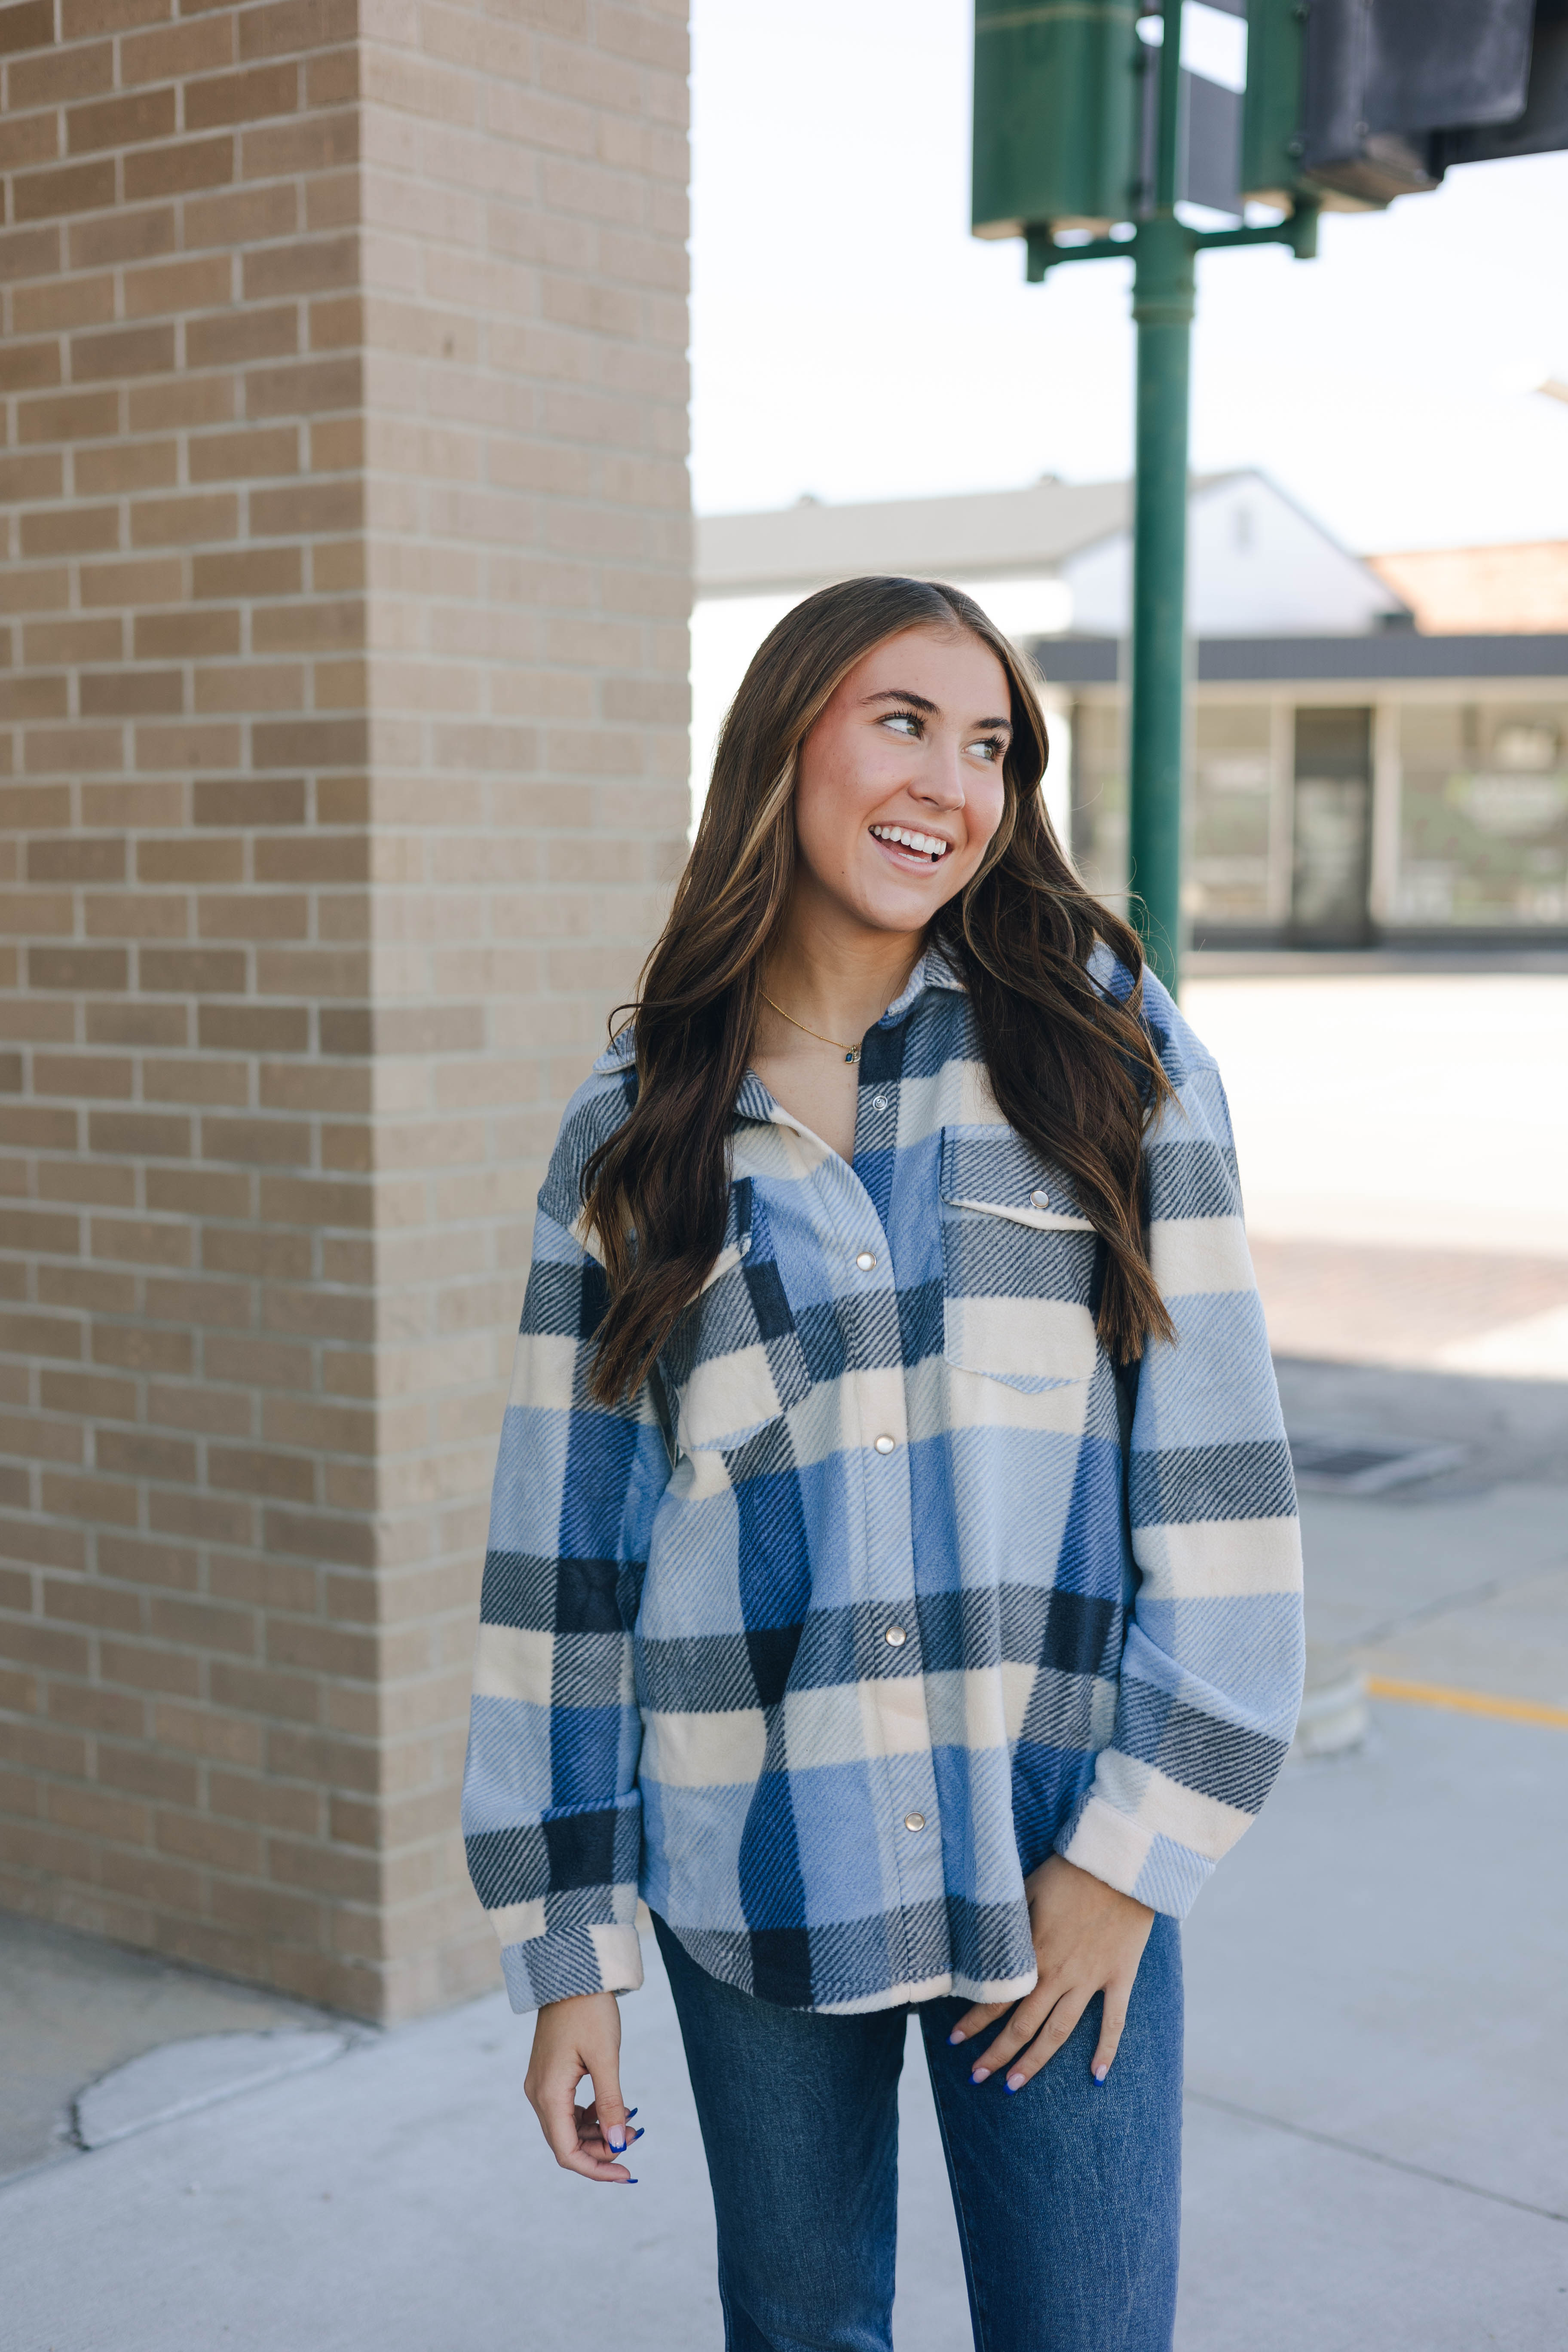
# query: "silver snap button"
879, 1102
886, 1444
914, 1820
1040, 1200
865, 1261
895, 1637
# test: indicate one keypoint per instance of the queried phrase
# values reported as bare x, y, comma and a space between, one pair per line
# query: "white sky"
852, 339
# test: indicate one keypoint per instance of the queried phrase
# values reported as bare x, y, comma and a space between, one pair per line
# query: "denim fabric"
1068, 2193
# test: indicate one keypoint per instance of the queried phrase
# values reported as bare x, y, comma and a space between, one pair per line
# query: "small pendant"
855, 1056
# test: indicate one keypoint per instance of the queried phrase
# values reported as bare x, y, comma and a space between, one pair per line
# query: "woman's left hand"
1087, 1938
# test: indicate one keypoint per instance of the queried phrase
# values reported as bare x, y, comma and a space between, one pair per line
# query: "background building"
1380, 746
344, 731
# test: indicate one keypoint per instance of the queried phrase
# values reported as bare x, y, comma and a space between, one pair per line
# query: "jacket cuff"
1136, 1861
568, 1960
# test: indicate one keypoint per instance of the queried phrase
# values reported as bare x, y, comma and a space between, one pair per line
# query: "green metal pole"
1162, 302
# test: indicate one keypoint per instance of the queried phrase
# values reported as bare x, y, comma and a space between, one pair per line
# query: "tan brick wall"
344, 762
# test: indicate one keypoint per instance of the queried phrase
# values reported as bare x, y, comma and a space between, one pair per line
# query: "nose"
940, 783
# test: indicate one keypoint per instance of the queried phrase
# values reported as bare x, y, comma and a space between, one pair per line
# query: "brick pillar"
344, 748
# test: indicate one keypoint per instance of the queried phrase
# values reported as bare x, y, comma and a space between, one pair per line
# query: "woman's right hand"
571, 2039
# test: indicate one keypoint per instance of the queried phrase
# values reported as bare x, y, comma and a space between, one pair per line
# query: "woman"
894, 1571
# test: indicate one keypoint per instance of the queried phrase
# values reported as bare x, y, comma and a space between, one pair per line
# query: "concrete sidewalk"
1376, 2153
1377, 2057
1377, 2136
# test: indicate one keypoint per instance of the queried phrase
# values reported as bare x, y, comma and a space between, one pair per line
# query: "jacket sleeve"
552, 1814
1211, 1666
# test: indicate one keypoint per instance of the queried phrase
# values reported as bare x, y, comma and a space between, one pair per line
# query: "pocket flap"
992, 1170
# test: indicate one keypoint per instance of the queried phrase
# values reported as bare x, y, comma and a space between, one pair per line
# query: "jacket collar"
753, 1101
932, 970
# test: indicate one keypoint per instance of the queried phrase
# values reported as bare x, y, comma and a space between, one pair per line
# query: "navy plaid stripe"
1218, 1759
825, 1699
998, 1165
1068, 1633
1194, 1179
841, 1962
565, 1853
566, 1596
1212, 1482
991, 1258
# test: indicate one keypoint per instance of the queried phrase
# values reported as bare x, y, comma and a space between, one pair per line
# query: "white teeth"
926, 843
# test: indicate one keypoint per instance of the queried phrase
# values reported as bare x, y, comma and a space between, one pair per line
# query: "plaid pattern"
894, 1586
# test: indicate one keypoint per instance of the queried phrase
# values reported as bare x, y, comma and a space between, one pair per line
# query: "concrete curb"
183, 2077
1334, 1715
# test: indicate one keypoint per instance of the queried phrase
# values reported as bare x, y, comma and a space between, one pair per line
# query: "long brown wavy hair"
1072, 1066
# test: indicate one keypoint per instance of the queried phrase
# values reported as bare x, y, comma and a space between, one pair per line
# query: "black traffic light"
1358, 101
1542, 128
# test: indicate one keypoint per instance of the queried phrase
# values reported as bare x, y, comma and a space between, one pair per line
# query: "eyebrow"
919, 702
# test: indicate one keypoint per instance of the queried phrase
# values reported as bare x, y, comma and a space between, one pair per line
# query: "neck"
838, 976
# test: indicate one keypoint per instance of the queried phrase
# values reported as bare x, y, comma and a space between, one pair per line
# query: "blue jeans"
1067, 2193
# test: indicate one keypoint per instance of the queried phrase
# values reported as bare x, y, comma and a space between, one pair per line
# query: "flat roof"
1391, 653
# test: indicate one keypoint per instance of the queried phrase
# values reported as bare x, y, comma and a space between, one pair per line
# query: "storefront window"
1483, 834
1100, 797
1228, 838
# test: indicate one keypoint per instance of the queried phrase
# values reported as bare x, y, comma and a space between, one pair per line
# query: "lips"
904, 837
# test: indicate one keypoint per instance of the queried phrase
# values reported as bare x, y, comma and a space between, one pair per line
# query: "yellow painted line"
1464, 1702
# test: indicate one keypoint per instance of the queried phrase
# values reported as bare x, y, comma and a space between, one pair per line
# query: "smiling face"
900, 787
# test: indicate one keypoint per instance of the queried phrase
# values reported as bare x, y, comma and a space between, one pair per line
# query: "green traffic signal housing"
1056, 114
1348, 104
1271, 142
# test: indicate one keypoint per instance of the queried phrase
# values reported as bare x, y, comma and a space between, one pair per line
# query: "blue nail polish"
630, 2113
1011, 2087
1099, 2082
954, 2038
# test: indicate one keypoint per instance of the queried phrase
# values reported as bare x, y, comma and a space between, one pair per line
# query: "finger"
592, 2138
1110, 2030
590, 2156
1025, 2022
609, 2108
574, 2132
1060, 2027
559, 2120
974, 2021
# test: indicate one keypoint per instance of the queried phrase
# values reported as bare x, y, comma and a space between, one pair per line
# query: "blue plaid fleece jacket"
894, 1587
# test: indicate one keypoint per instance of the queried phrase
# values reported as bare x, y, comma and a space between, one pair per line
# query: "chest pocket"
734, 1362
1018, 1265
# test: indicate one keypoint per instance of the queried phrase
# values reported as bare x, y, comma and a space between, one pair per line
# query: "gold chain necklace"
850, 1052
